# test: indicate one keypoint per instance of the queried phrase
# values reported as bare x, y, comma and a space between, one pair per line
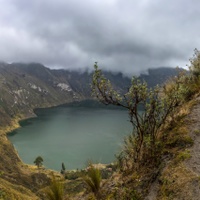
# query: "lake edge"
24, 120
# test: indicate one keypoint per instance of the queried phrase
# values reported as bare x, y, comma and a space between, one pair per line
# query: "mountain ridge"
24, 87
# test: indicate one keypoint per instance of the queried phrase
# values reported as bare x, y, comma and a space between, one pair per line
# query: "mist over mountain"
24, 87
158, 76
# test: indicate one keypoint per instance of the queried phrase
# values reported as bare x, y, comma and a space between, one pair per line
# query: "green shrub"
195, 64
55, 190
38, 161
93, 179
197, 132
183, 155
106, 173
179, 141
73, 175
3, 194
126, 194
141, 146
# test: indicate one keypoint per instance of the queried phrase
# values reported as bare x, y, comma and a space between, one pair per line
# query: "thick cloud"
128, 36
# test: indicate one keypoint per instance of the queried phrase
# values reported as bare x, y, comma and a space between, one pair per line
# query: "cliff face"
24, 87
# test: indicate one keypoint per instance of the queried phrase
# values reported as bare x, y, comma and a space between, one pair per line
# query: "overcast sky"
123, 35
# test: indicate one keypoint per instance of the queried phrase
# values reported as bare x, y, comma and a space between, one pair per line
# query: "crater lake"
72, 135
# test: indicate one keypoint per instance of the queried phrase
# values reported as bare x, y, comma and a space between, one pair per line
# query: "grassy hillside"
24, 87
160, 163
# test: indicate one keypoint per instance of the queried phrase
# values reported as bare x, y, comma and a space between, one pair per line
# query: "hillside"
179, 177
24, 87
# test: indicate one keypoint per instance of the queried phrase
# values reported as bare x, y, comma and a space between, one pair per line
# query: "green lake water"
72, 135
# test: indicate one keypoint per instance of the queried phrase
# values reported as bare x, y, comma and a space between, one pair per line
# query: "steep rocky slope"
25, 87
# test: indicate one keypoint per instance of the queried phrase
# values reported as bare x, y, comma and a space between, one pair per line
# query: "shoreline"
16, 123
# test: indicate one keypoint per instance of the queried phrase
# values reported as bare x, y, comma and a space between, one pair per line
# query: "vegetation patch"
9, 191
176, 182
197, 132
183, 155
157, 148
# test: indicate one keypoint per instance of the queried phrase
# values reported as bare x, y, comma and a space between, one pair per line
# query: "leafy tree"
195, 63
142, 146
38, 161
186, 83
63, 169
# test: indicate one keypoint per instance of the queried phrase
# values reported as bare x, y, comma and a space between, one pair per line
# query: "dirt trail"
153, 191
192, 164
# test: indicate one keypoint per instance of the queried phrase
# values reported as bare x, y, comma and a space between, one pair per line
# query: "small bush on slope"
55, 190
93, 179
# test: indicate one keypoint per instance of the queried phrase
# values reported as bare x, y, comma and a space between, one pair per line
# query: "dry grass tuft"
176, 182
9, 191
